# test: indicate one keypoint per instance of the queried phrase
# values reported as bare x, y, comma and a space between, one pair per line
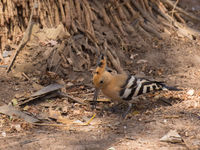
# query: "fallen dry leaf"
172, 136
12, 111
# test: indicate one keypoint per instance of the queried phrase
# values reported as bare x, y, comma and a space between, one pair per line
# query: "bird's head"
101, 76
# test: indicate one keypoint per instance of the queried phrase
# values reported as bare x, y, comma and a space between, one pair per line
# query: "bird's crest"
101, 66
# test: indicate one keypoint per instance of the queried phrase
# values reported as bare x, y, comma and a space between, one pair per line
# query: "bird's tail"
170, 88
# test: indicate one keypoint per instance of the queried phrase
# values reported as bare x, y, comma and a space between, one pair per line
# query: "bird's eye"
109, 70
101, 81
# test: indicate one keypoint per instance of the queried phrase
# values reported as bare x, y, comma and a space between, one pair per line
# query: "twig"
179, 18
149, 9
26, 76
63, 125
3, 66
115, 61
183, 30
149, 28
73, 98
87, 33
121, 4
145, 14
46, 124
25, 38
170, 3
166, 102
12, 136
173, 10
89, 121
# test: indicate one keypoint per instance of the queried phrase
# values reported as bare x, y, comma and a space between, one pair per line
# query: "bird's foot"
130, 106
116, 108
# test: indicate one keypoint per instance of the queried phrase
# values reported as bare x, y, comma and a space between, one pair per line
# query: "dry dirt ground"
176, 61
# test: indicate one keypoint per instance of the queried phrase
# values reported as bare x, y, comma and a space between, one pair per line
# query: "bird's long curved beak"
96, 93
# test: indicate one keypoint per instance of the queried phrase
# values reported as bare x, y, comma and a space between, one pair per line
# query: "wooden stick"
26, 37
102, 12
171, 4
117, 21
149, 28
133, 12
89, 9
26, 76
57, 15
120, 11
115, 61
173, 10
50, 16
78, 9
145, 14
87, 33
62, 11
179, 18
72, 98
46, 124
149, 9
182, 29
87, 19
68, 20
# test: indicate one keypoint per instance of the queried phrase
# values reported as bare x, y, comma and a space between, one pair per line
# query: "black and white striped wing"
137, 86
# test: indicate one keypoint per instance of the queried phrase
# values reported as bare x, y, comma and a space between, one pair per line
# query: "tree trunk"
90, 24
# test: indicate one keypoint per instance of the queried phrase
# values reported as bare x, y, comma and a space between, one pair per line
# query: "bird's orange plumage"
112, 84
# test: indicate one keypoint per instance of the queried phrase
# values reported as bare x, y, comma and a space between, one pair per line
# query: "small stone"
19, 95
7, 54
172, 136
26, 108
3, 134
142, 61
65, 109
165, 121
193, 9
18, 127
77, 112
14, 102
111, 148
157, 97
78, 122
69, 84
186, 134
133, 56
36, 86
190, 92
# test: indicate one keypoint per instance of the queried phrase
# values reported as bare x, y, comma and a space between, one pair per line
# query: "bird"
122, 87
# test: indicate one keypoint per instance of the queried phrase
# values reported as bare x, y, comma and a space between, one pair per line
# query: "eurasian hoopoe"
123, 87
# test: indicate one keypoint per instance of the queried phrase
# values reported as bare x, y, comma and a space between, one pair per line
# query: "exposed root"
89, 22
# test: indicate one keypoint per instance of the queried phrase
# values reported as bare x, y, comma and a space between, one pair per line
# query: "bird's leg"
115, 107
96, 93
130, 105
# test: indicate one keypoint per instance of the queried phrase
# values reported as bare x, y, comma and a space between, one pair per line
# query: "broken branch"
25, 38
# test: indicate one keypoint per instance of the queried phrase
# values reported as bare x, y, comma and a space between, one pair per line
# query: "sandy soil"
175, 61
